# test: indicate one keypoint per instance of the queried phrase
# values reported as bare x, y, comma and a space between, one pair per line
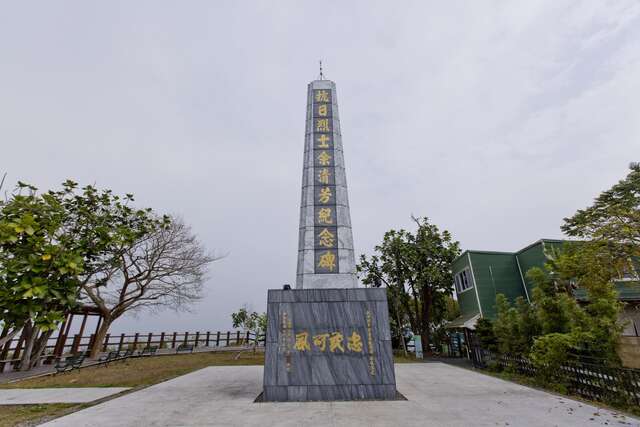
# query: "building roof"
476, 251
537, 242
466, 321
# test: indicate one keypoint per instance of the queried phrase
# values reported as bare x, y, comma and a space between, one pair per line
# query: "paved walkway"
56, 395
438, 395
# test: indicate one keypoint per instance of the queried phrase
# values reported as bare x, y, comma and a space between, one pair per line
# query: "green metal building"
480, 275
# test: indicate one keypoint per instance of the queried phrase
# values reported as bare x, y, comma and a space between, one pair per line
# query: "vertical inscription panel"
324, 190
328, 344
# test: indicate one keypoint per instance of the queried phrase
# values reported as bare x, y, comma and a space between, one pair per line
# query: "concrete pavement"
438, 395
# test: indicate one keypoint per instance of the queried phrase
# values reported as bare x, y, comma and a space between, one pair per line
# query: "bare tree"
164, 269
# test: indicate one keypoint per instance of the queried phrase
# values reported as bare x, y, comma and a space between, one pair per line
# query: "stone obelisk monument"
327, 339
325, 245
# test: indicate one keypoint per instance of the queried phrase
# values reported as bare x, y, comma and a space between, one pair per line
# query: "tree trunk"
416, 299
427, 302
30, 339
98, 340
404, 344
39, 348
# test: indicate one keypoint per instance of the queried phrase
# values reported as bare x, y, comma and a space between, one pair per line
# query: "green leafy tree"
613, 219
609, 233
103, 226
507, 327
250, 321
416, 269
39, 268
486, 336
447, 309
106, 253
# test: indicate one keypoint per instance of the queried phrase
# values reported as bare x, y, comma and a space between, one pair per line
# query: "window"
463, 280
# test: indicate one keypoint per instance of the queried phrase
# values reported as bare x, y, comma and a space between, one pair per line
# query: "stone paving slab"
30, 396
438, 395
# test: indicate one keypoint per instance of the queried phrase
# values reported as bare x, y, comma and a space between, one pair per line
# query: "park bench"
79, 360
66, 364
112, 355
183, 348
70, 363
126, 354
148, 351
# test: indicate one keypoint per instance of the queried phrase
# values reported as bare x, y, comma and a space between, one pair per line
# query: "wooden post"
135, 340
5, 350
57, 349
186, 337
218, 339
228, 338
98, 324
237, 337
5, 332
63, 339
247, 341
161, 340
106, 342
173, 343
84, 322
4, 353
16, 352
208, 333
121, 342
66, 332
76, 343
149, 339
197, 338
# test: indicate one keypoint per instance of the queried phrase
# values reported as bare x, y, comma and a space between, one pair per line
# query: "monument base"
328, 344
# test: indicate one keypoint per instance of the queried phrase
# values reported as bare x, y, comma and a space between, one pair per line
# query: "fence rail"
593, 381
58, 346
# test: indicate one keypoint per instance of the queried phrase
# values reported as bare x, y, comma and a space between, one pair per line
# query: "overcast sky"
494, 119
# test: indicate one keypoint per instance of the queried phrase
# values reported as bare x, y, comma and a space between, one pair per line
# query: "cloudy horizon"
493, 119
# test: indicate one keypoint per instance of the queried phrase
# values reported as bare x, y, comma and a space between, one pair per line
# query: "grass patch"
12, 415
139, 372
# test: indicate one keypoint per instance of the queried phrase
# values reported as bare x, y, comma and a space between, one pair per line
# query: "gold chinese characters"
322, 125
326, 238
323, 141
324, 176
322, 96
324, 216
324, 158
327, 260
335, 340
325, 195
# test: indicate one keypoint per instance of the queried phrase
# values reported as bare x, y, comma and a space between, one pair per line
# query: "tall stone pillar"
326, 339
325, 245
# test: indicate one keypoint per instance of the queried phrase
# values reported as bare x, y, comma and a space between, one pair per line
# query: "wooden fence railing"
57, 346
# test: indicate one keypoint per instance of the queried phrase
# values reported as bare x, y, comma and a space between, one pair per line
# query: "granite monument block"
328, 344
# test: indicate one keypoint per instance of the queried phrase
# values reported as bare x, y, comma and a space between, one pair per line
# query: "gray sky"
495, 119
